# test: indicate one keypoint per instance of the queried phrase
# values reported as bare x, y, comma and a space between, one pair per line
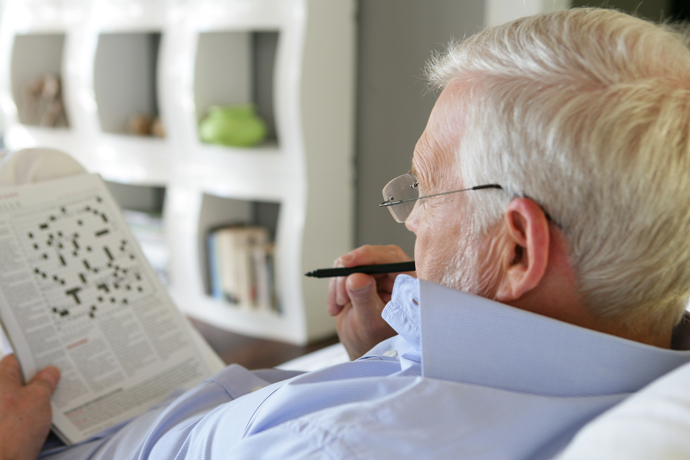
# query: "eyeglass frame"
389, 203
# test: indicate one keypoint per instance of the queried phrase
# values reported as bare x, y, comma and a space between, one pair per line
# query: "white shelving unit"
45, 32
293, 59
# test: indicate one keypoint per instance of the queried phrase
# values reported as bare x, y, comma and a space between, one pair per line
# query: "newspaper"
77, 293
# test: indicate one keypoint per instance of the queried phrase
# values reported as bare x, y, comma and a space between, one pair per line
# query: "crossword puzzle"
86, 266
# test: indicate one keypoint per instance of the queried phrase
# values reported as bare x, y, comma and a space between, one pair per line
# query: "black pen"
368, 269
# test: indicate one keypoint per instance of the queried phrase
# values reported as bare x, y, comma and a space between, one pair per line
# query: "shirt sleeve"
159, 432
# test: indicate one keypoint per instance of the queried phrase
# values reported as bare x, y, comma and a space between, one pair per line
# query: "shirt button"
391, 353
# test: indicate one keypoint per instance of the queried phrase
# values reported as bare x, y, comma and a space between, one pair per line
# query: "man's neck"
558, 298
662, 340
574, 312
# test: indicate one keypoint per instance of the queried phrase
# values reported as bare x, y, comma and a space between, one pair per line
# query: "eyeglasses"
402, 193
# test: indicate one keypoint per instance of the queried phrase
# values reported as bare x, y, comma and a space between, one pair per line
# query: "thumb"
363, 294
48, 378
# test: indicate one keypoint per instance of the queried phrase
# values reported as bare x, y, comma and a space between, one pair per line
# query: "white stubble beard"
473, 267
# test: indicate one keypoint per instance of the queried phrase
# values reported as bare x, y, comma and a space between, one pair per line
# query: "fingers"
335, 303
360, 325
363, 294
8, 361
356, 301
25, 411
338, 295
10, 375
370, 255
333, 307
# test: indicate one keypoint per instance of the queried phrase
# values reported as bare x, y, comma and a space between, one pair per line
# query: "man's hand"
25, 413
357, 301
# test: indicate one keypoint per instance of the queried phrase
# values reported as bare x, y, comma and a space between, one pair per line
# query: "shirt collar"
402, 312
471, 339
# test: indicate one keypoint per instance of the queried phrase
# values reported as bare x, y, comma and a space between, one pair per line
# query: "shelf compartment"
217, 213
149, 199
237, 68
37, 87
124, 79
142, 208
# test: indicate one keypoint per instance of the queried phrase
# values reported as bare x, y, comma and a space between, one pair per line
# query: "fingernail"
52, 374
339, 299
362, 290
346, 258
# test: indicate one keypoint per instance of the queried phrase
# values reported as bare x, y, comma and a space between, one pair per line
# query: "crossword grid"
85, 265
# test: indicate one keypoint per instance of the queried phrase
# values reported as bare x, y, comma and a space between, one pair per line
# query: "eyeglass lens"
403, 187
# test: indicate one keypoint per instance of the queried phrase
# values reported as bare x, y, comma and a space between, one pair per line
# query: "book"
240, 267
215, 286
77, 292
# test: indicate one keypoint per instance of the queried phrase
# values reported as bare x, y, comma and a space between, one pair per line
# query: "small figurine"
42, 104
141, 124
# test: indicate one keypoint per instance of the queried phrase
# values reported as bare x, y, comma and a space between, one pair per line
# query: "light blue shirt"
465, 378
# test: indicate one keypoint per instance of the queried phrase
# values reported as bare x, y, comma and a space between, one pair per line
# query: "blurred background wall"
396, 37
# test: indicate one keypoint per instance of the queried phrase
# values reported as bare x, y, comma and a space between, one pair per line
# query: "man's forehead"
434, 154
423, 165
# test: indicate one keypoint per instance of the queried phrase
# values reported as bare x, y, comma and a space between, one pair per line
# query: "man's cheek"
424, 255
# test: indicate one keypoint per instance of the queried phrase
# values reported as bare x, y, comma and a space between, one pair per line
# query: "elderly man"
550, 198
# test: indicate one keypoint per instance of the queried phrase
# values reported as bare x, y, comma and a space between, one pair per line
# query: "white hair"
587, 112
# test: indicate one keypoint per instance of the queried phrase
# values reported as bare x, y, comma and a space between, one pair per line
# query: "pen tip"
309, 274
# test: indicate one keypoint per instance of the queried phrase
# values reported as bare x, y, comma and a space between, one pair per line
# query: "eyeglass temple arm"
476, 187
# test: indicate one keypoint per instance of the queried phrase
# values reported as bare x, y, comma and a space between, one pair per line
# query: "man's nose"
411, 221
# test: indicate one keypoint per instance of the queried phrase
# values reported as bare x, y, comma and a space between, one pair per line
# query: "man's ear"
524, 249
